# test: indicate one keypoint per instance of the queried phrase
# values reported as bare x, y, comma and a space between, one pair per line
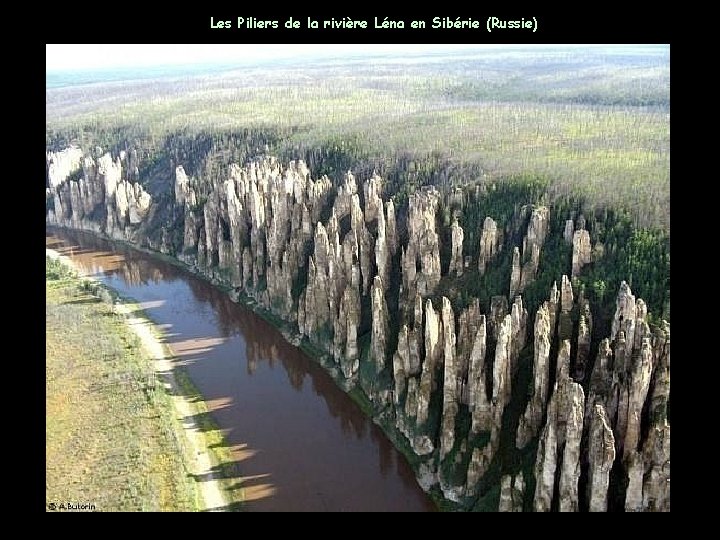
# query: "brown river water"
299, 442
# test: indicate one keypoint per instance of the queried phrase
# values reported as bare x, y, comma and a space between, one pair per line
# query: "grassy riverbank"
114, 438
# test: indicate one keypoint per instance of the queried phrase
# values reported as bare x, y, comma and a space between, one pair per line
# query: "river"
299, 442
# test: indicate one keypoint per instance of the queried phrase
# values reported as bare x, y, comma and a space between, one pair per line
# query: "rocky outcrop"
416, 336
545, 466
562, 369
565, 317
515, 273
620, 392
601, 456
583, 341
401, 364
512, 490
456, 252
61, 164
489, 244
433, 351
581, 251
633, 494
101, 191
570, 473
519, 316
320, 258
624, 318
660, 393
450, 398
553, 308
639, 385
502, 364
343, 199
602, 384
423, 247
478, 466
190, 234
382, 250
346, 350
537, 230
138, 202
379, 325
478, 402
561, 436
498, 310
568, 232
531, 420
648, 473
184, 194
656, 485
566, 295
522, 273
468, 324
391, 227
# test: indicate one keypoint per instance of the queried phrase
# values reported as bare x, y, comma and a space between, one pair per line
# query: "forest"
426, 225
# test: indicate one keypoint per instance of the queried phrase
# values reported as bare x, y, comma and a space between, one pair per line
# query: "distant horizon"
85, 57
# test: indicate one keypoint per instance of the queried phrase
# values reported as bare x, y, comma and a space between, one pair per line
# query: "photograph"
337, 277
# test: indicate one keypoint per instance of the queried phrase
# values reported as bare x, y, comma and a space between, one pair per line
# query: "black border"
577, 24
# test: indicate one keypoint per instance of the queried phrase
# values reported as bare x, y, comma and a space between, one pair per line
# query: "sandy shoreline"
149, 334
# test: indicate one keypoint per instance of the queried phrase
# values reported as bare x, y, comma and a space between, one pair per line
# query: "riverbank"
290, 334
137, 429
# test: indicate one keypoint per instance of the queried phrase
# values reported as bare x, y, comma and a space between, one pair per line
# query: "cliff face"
601, 455
60, 165
531, 420
333, 261
423, 247
456, 256
581, 254
101, 200
525, 264
490, 243
512, 491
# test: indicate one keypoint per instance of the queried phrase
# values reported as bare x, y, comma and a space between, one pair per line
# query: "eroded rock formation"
450, 398
456, 255
61, 164
512, 490
326, 260
489, 244
560, 437
100, 191
379, 325
581, 251
531, 420
601, 455
423, 246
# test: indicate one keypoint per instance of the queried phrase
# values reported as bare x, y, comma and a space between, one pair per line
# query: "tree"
599, 288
